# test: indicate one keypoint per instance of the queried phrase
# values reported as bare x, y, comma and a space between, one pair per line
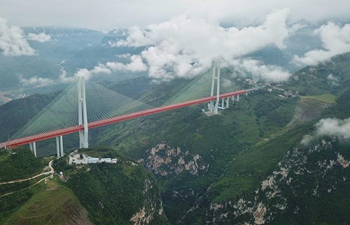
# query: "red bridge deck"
74, 129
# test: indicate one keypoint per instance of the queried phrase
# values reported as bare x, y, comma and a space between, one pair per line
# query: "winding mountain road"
51, 172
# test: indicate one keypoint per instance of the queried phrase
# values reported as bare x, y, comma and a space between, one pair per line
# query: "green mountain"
119, 193
246, 165
32, 201
205, 161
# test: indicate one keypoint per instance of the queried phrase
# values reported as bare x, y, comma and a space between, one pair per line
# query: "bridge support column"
213, 105
59, 146
237, 98
32, 147
82, 114
227, 102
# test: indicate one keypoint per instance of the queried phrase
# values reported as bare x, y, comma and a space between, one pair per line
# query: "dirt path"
51, 172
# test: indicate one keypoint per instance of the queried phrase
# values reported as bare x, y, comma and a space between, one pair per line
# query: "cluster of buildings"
77, 158
283, 93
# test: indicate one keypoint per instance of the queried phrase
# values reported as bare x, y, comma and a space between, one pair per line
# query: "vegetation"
21, 163
116, 192
16, 113
51, 203
216, 139
327, 98
242, 147
11, 203
328, 77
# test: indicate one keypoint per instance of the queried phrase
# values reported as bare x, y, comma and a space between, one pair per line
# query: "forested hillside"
200, 161
104, 193
249, 164
121, 193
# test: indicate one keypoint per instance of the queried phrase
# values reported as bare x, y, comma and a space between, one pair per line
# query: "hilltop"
119, 193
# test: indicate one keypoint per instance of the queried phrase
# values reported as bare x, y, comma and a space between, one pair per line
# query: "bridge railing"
74, 129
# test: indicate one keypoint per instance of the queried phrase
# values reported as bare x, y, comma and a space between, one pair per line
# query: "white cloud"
42, 37
12, 40
226, 83
124, 56
136, 65
100, 68
63, 77
331, 77
111, 14
35, 81
87, 74
295, 27
334, 127
83, 73
330, 127
184, 47
258, 70
335, 40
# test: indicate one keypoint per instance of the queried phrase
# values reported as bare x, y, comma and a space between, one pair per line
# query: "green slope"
216, 139
30, 202
240, 147
21, 163
51, 204
121, 193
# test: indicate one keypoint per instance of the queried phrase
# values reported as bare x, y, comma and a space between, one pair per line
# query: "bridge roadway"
69, 130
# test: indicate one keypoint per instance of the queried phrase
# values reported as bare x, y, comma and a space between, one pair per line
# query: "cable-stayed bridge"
87, 105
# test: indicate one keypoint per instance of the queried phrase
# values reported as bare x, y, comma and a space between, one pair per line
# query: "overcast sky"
183, 37
110, 14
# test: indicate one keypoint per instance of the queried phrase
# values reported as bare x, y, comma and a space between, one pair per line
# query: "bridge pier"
32, 147
227, 102
59, 146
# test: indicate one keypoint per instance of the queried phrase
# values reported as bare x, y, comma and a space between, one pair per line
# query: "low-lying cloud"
335, 40
35, 81
185, 47
13, 41
136, 65
330, 127
259, 70
42, 37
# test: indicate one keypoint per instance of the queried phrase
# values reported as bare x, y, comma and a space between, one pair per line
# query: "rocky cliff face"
151, 207
305, 183
167, 161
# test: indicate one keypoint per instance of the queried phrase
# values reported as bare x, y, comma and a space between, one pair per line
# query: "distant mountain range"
71, 49
278, 156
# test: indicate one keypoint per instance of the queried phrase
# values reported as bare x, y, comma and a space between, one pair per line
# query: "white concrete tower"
82, 114
213, 105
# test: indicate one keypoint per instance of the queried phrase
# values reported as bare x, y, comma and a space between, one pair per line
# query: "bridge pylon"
59, 146
82, 114
213, 105
32, 147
